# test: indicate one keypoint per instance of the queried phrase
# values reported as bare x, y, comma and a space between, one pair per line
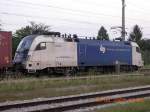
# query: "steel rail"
145, 71
74, 98
94, 103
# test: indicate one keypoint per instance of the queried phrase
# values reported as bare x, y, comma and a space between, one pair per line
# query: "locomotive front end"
21, 55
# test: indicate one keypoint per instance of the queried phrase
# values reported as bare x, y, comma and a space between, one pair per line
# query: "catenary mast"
123, 20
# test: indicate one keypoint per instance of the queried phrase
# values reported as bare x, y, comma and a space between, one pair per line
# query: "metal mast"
123, 20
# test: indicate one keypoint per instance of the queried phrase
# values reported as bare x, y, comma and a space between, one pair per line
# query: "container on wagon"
5, 49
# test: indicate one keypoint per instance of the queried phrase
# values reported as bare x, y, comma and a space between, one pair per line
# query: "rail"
145, 71
77, 101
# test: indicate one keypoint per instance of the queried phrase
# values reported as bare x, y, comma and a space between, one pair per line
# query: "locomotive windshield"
25, 44
23, 48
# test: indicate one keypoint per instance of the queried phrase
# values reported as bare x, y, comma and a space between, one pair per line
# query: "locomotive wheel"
70, 71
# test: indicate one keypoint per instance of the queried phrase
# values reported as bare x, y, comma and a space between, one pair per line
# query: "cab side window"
138, 50
41, 46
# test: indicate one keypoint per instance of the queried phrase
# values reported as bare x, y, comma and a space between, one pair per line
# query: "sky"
81, 17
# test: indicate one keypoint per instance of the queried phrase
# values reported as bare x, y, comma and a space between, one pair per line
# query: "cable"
37, 17
15, 25
61, 8
70, 13
66, 20
79, 11
137, 8
97, 4
89, 1
52, 26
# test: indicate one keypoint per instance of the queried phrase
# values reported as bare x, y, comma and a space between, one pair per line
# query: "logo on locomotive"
102, 49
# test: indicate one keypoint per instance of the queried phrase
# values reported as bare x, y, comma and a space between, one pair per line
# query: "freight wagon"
55, 54
5, 50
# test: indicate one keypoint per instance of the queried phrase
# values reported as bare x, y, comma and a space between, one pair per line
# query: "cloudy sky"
83, 17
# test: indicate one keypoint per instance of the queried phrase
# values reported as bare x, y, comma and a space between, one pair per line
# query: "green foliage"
29, 88
144, 44
146, 57
102, 34
145, 47
33, 28
141, 106
136, 34
15, 42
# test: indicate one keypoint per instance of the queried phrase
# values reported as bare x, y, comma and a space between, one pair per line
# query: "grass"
147, 66
29, 88
130, 107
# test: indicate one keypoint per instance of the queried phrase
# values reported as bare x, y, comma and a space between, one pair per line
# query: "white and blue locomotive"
53, 53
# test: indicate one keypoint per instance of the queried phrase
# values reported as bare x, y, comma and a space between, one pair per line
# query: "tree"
145, 48
136, 34
33, 28
15, 42
102, 34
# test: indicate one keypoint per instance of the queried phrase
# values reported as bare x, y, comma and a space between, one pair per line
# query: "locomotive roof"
88, 41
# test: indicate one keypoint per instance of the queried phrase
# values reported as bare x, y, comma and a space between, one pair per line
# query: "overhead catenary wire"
53, 27
62, 19
57, 7
81, 11
62, 8
71, 12
137, 8
66, 20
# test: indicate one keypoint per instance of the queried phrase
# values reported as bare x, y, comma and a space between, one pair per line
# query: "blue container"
103, 53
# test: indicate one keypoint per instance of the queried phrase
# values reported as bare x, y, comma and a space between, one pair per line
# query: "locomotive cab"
23, 49
136, 55
49, 52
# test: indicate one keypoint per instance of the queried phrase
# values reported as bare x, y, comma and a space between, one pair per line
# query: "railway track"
59, 104
145, 71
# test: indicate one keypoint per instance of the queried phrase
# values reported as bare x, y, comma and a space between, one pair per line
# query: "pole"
123, 20
117, 67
